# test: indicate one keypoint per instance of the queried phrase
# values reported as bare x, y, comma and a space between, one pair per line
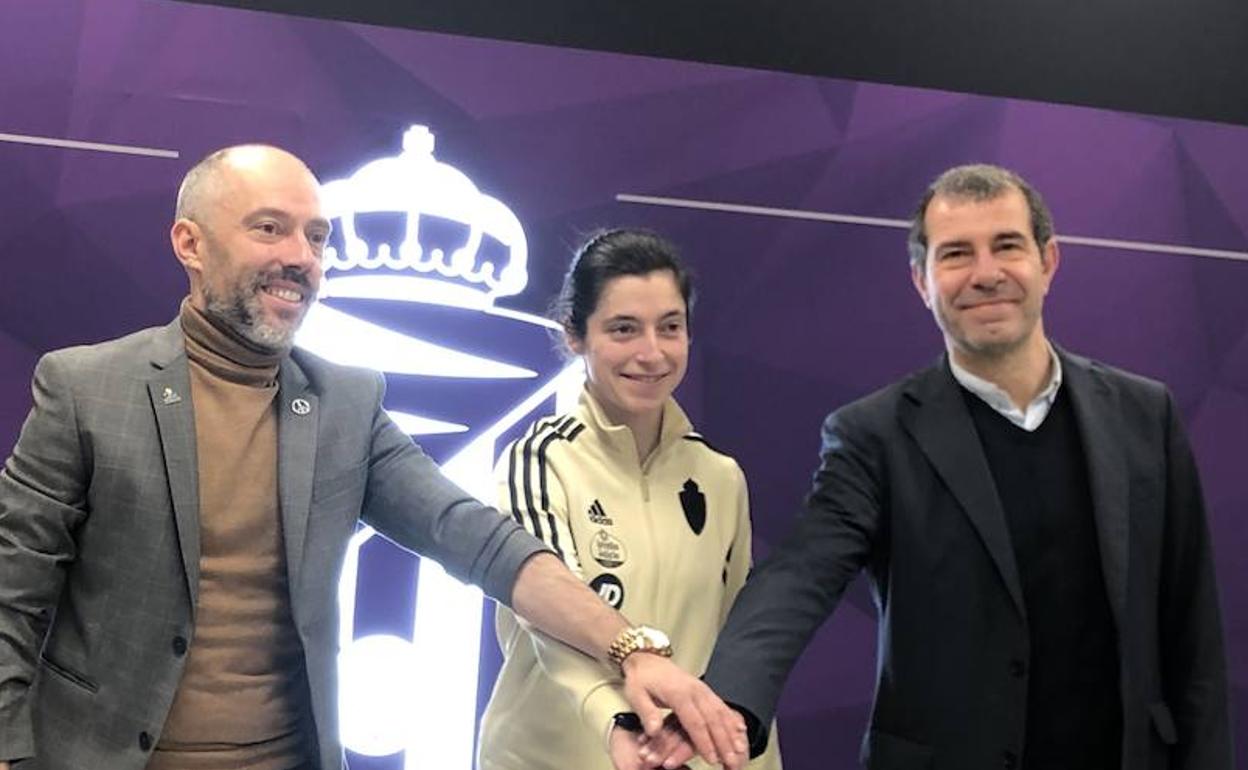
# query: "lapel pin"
300, 406
169, 396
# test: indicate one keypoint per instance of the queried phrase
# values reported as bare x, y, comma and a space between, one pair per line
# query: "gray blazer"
99, 540
905, 492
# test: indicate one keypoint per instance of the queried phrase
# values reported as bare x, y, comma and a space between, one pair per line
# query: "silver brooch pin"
169, 396
300, 406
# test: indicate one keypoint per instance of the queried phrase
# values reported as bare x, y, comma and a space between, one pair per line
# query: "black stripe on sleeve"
544, 495
513, 459
562, 426
528, 486
512, 454
530, 500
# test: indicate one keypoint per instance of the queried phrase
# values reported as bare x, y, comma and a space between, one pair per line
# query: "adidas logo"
599, 516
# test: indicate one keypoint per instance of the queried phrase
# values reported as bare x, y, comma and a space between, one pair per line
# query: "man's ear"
1050, 258
918, 276
187, 239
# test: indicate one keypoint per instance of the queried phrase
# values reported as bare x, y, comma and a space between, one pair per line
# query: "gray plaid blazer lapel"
169, 388
297, 420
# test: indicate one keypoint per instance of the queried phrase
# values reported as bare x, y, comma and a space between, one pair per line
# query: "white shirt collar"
1028, 419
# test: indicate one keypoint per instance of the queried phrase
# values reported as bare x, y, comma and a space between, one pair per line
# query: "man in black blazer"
1032, 526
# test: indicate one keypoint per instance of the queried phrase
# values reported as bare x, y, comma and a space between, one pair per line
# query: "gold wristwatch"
639, 639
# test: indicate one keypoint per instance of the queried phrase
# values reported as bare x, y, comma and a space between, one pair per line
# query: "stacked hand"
700, 722
671, 748
626, 749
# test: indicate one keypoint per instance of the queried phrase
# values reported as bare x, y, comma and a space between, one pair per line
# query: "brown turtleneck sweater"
242, 701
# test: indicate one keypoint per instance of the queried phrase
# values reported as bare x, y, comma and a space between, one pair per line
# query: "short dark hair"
610, 254
977, 182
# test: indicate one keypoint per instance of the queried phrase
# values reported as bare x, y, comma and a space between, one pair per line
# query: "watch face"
656, 638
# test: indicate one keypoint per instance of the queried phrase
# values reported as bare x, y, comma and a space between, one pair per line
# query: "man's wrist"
638, 639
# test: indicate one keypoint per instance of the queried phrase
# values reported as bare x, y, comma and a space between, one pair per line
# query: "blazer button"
145, 741
1017, 668
1009, 760
179, 645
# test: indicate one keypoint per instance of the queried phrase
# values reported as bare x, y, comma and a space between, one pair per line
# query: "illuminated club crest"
418, 257
416, 189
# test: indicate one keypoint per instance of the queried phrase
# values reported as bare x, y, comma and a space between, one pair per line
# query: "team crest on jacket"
693, 503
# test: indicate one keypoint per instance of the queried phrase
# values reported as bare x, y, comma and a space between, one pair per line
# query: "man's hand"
653, 682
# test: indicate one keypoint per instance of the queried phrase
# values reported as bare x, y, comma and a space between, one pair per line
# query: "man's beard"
243, 312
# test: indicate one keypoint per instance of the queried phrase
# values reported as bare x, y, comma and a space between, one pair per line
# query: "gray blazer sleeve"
42, 500
409, 500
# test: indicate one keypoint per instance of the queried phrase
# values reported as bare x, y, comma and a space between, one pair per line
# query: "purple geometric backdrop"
797, 315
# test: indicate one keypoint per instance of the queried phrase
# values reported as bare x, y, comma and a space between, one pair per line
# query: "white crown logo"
414, 185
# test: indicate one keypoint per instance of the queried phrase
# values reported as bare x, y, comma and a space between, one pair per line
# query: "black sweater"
1074, 708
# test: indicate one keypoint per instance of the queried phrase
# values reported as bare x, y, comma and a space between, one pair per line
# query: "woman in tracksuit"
631, 498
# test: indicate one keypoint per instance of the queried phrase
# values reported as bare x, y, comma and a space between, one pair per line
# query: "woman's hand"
625, 748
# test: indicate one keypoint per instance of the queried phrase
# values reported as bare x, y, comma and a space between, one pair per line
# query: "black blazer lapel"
169, 387
1099, 418
297, 420
934, 414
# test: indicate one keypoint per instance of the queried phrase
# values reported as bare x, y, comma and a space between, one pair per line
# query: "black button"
145, 741
1017, 668
1009, 760
179, 646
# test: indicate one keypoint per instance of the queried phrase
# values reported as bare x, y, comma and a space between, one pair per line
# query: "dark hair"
610, 254
978, 182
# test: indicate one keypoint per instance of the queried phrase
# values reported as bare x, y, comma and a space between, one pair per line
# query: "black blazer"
905, 491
